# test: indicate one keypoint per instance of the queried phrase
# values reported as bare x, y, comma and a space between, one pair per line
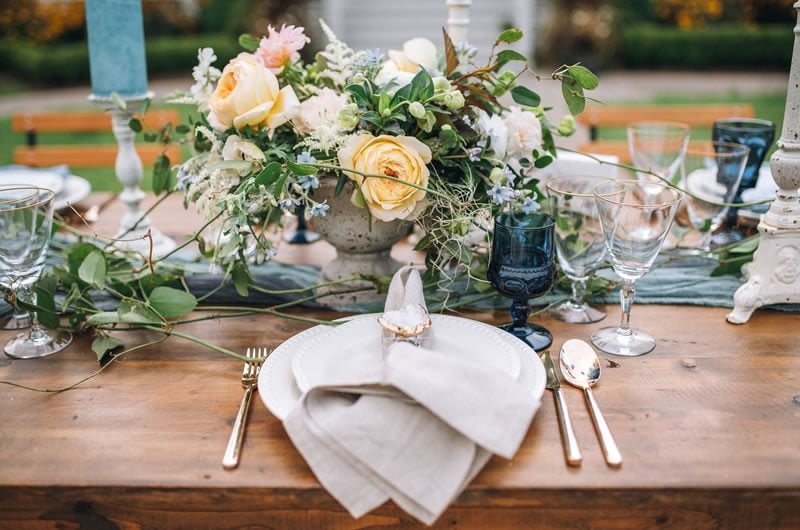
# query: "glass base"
577, 313
537, 337
18, 322
301, 237
609, 341
21, 347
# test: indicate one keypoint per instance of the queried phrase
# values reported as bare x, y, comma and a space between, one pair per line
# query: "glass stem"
578, 292
520, 310
705, 241
626, 300
36, 334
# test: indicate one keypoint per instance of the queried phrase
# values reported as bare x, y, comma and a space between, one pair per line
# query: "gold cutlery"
255, 358
572, 453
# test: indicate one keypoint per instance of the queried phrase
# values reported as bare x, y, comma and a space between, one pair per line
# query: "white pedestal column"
133, 228
458, 20
774, 274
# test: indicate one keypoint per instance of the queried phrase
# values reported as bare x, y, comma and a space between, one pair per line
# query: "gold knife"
572, 453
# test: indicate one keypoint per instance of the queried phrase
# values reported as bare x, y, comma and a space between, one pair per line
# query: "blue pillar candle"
116, 48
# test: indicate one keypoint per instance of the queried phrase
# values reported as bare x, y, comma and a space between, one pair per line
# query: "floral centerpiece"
420, 134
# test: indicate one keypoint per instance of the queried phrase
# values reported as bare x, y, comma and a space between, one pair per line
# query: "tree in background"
698, 13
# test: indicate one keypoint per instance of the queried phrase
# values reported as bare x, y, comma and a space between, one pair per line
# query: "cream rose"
403, 157
524, 132
403, 65
248, 94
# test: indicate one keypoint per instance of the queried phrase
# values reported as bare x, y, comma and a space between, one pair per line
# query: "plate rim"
278, 409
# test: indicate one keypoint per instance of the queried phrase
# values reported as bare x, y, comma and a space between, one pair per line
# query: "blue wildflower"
319, 209
308, 182
306, 158
530, 206
502, 194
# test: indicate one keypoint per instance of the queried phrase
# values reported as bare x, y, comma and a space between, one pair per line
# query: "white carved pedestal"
774, 274
133, 228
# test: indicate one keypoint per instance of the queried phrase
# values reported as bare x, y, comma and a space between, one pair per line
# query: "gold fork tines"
255, 358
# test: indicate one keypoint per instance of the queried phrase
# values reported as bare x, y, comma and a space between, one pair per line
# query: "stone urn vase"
361, 247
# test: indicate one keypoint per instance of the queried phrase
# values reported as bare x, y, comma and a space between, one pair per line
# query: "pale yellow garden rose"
402, 157
248, 94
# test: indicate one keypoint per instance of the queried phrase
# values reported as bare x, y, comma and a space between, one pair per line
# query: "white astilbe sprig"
338, 59
211, 136
327, 138
205, 78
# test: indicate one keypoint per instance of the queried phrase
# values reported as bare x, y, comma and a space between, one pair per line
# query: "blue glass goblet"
759, 136
522, 267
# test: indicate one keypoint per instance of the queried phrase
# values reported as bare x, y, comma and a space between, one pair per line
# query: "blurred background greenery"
42, 43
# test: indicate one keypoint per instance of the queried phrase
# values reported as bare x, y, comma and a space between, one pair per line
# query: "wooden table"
708, 424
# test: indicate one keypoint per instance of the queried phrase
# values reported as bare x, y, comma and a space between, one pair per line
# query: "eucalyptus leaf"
525, 96
104, 344
248, 42
161, 173
510, 36
169, 302
269, 174
93, 269
510, 55
584, 77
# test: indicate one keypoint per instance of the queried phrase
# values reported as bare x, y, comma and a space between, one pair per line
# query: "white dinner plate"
359, 342
32, 177
279, 390
75, 190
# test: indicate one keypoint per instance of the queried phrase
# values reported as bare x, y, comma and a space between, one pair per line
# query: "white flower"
205, 77
403, 65
320, 209
306, 158
503, 194
495, 129
321, 110
529, 205
524, 132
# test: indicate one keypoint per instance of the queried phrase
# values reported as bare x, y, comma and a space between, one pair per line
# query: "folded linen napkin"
419, 444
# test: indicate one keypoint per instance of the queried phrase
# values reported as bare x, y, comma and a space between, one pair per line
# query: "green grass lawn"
102, 179
769, 106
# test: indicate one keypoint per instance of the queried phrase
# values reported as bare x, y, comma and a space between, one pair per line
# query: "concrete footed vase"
361, 247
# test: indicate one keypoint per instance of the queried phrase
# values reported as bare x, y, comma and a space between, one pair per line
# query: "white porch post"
458, 20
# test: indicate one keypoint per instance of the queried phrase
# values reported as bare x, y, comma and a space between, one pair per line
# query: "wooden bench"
85, 156
611, 116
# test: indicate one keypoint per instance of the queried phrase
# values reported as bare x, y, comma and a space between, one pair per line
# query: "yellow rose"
402, 157
248, 94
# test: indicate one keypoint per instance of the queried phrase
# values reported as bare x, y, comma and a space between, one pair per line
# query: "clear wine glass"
659, 147
26, 219
711, 173
580, 247
19, 318
634, 224
522, 267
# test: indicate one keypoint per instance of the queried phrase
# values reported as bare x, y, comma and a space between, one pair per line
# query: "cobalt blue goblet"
523, 267
756, 134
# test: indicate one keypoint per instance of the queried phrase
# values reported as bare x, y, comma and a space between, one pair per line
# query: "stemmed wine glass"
26, 219
634, 224
658, 147
522, 267
579, 241
19, 318
711, 173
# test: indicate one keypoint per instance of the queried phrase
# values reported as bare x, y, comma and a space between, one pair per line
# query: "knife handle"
572, 452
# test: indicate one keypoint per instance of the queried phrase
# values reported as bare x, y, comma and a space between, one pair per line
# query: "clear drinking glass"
658, 147
19, 318
580, 247
26, 219
712, 173
634, 225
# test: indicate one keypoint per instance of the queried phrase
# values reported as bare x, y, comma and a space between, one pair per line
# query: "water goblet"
522, 266
634, 224
657, 147
580, 247
19, 318
759, 136
26, 219
711, 174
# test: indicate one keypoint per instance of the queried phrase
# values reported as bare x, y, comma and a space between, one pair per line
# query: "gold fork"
255, 358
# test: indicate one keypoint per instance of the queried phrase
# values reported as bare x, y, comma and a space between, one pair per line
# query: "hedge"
66, 64
719, 47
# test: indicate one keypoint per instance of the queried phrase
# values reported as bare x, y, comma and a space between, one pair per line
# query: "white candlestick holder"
134, 226
774, 274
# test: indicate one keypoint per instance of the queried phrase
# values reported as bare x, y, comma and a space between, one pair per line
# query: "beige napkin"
420, 450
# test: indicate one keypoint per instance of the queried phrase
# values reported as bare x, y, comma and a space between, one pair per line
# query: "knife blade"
572, 453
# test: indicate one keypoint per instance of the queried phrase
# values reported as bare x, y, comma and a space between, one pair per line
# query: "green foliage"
161, 174
93, 268
525, 96
717, 47
169, 302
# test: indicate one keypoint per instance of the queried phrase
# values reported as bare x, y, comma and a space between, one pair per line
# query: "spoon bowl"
581, 368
